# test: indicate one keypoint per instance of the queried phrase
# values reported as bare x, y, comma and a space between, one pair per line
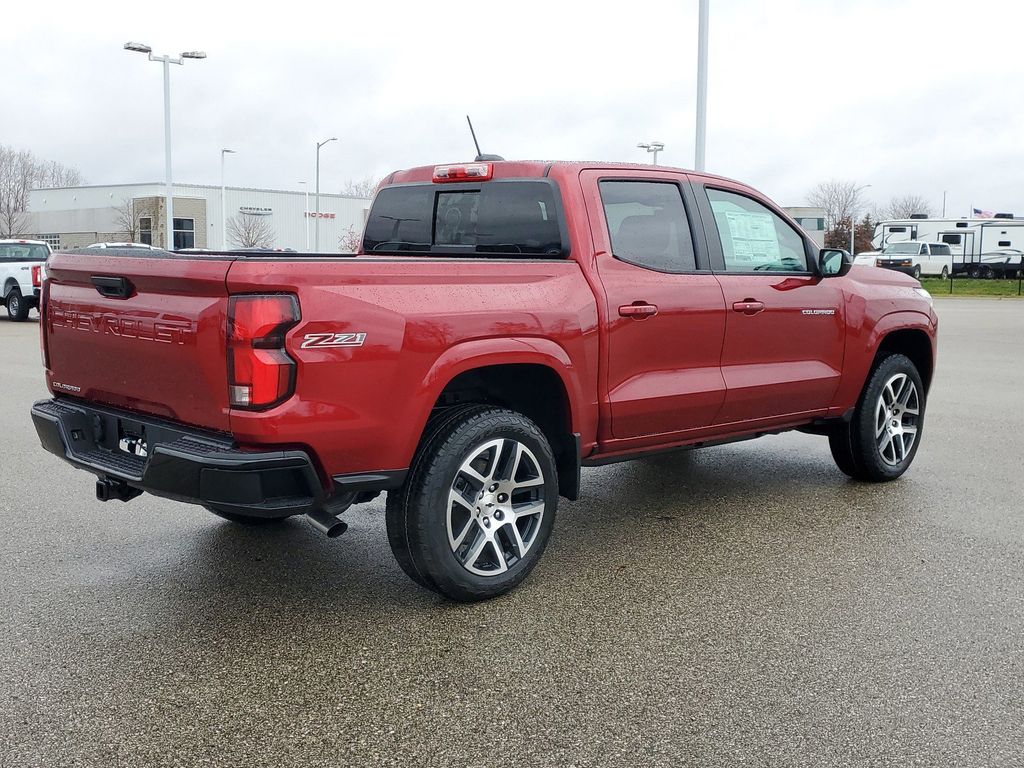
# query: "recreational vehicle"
979, 247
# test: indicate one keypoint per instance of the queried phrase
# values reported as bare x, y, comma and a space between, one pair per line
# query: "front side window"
647, 225
753, 237
505, 218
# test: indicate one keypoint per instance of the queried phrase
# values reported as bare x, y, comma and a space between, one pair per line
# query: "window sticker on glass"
754, 239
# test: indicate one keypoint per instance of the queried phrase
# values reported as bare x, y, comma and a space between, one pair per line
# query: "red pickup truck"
503, 324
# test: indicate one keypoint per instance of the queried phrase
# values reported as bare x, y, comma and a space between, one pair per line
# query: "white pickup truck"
21, 273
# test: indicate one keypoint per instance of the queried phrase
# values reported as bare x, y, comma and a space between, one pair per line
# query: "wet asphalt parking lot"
741, 605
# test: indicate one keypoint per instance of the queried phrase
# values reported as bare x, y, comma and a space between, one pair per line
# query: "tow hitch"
111, 490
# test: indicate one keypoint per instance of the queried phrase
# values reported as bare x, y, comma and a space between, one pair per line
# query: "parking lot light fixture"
853, 217
316, 226
223, 208
305, 209
166, 61
654, 147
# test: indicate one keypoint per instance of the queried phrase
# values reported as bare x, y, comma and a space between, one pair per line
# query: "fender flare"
899, 320
480, 353
855, 378
9, 285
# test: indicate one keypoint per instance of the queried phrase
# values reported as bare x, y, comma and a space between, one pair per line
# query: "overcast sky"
910, 97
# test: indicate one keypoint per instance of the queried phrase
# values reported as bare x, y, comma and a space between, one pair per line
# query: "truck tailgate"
146, 333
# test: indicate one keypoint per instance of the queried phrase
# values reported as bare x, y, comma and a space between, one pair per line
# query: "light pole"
702, 85
853, 217
317, 225
167, 61
223, 206
654, 147
305, 210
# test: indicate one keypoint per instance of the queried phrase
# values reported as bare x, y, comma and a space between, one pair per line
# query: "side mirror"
833, 262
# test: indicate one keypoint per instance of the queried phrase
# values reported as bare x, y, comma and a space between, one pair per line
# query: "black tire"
398, 537
945, 273
855, 446
17, 307
249, 520
916, 272
418, 513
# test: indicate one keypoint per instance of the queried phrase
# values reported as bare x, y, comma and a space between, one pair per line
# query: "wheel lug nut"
487, 522
502, 498
499, 515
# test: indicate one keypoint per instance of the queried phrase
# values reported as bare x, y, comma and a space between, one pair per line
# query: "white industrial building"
812, 220
73, 217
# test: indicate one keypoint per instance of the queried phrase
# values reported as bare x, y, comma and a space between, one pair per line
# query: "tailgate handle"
113, 287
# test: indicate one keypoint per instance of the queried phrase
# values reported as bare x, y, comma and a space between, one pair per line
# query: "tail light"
469, 172
260, 372
37, 279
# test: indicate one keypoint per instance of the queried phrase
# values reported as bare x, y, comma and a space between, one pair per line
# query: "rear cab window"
520, 218
10, 252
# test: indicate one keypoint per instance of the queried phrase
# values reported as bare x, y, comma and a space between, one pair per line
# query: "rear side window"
940, 250
647, 225
504, 218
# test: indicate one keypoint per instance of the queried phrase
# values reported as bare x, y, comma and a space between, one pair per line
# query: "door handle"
113, 287
638, 310
748, 306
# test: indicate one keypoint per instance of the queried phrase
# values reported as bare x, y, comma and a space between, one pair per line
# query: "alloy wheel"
896, 419
495, 507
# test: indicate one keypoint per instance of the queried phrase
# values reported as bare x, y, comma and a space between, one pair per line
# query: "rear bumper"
178, 462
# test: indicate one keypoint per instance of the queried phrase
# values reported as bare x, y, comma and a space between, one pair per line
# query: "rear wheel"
880, 441
17, 307
476, 512
250, 520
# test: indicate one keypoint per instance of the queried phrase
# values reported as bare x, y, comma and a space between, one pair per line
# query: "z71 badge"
318, 340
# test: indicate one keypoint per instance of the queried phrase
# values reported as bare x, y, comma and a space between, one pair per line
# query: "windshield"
906, 249
23, 252
507, 218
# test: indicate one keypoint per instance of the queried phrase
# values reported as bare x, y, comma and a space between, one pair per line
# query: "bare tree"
249, 231
903, 206
840, 200
127, 217
350, 240
364, 187
21, 172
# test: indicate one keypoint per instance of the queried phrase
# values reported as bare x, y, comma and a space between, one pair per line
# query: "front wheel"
917, 272
17, 307
477, 509
945, 273
880, 441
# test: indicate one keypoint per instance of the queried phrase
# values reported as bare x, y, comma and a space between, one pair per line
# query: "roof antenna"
480, 156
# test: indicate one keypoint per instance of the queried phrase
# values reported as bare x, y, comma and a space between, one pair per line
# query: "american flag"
980, 214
